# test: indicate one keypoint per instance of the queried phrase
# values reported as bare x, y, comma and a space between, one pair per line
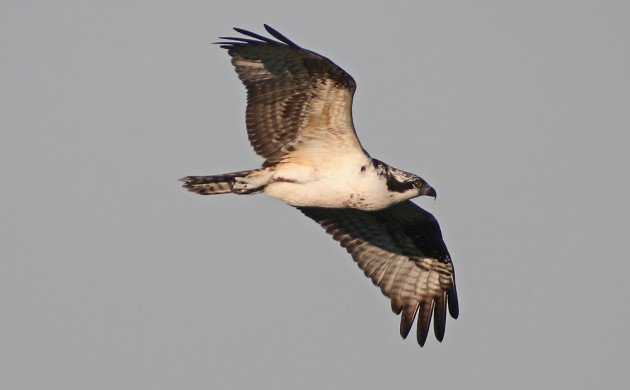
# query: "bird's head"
408, 185
423, 188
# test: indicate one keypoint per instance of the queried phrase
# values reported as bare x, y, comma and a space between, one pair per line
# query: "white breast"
330, 181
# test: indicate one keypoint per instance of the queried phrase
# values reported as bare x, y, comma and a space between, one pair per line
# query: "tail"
217, 184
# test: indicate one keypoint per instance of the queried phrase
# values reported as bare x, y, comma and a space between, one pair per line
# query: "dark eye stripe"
398, 186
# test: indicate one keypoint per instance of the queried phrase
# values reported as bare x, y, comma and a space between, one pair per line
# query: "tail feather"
215, 184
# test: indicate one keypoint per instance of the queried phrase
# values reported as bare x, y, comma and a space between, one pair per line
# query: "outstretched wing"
295, 97
401, 249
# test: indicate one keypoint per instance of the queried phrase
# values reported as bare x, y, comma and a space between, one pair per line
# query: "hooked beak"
431, 192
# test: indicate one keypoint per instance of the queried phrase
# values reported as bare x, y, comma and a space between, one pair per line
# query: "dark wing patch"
401, 249
289, 89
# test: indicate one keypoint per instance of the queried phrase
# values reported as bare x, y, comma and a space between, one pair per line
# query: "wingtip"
254, 35
422, 336
270, 29
424, 321
407, 319
276, 34
453, 304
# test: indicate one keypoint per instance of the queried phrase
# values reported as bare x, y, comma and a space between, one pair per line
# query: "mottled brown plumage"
290, 93
401, 249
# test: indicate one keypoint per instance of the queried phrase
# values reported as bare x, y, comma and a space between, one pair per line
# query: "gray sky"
112, 277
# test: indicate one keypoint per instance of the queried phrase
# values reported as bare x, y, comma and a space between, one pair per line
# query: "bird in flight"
299, 119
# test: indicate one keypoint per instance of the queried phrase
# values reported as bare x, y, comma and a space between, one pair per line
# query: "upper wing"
401, 249
294, 96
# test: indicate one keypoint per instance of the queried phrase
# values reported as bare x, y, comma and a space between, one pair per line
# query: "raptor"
299, 119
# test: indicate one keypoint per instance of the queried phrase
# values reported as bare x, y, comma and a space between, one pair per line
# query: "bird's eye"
417, 183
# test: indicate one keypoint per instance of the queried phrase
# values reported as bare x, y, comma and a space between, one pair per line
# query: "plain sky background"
113, 277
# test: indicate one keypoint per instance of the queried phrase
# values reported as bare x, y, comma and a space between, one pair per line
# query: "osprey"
299, 119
